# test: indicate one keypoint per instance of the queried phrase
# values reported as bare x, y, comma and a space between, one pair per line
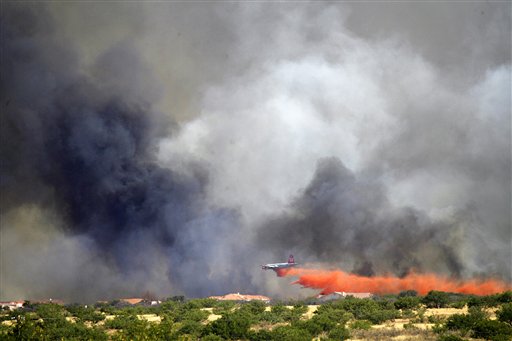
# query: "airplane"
277, 266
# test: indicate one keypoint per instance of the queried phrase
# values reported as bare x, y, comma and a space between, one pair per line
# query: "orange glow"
330, 281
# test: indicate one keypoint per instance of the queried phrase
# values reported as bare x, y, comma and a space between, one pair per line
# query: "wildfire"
330, 281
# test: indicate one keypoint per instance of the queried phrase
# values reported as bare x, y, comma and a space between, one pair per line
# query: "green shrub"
490, 300
223, 307
339, 333
310, 326
381, 316
261, 335
492, 330
121, 322
190, 327
52, 327
324, 323
254, 307
213, 337
290, 333
361, 324
505, 297
230, 326
460, 322
364, 309
84, 313
407, 314
407, 302
504, 314
435, 319
194, 314
410, 325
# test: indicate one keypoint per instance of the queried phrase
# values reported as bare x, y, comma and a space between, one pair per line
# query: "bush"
261, 335
199, 303
196, 315
290, 333
409, 325
323, 323
361, 324
407, 302
52, 327
230, 326
223, 307
190, 327
381, 316
310, 326
254, 307
365, 309
339, 333
490, 300
492, 330
466, 322
505, 297
407, 314
298, 310
335, 313
504, 314
122, 322
84, 313
213, 337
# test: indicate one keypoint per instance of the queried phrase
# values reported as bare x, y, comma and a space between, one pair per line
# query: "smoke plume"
175, 147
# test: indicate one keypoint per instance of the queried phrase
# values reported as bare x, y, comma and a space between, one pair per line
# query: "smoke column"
174, 147
340, 281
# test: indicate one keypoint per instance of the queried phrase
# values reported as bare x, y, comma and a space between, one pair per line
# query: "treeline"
182, 319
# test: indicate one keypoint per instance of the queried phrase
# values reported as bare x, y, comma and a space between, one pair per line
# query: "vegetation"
180, 319
477, 322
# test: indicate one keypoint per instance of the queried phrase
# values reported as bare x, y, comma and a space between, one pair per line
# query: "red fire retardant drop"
330, 281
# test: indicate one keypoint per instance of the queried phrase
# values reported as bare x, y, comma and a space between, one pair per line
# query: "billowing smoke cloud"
72, 152
174, 147
340, 218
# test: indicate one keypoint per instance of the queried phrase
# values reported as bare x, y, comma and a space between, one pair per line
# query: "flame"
330, 281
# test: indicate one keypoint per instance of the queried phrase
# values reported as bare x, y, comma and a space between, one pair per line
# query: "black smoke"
86, 156
344, 218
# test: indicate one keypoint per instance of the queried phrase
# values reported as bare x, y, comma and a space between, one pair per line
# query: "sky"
173, 148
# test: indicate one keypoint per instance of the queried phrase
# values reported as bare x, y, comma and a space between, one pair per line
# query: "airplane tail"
291, 260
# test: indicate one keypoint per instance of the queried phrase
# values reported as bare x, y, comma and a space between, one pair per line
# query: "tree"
436, 299
407, 302
408, 293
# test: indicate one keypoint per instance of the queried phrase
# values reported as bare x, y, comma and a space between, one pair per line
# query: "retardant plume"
330, 281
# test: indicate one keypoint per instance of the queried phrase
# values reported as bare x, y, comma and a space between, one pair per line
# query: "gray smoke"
342, 219
174, 147
79, 151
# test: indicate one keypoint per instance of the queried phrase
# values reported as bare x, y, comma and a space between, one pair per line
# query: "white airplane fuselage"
276, 266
